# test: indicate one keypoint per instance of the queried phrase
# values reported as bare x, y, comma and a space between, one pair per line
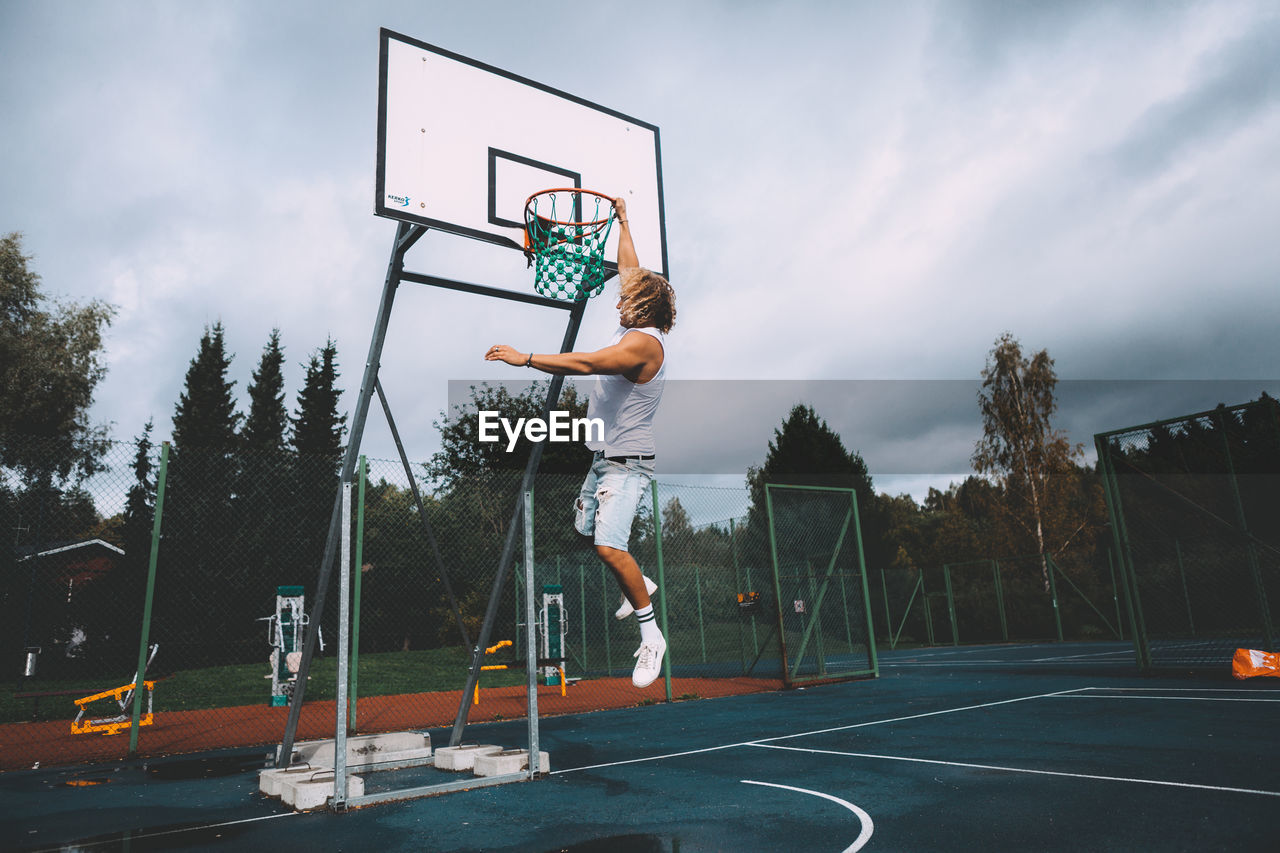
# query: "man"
632, 372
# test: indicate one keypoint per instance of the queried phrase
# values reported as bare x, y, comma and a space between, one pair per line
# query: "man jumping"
631, 373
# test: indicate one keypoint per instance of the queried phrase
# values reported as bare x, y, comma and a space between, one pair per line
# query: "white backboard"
462, 145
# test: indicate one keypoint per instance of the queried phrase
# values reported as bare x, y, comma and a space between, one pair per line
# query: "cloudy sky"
854, 191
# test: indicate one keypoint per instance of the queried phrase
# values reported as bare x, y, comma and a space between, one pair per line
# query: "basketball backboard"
462, 145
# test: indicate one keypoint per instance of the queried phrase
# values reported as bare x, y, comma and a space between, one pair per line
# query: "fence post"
1268, 635
355, 593
951, 606
1186, 596
1004, 623
702, 631
888, 617
1115, 595
604, 596
582, 611
1124, 550
662, 584
145, 636
1046, 560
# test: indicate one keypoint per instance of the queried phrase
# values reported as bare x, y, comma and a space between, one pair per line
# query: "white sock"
649, 630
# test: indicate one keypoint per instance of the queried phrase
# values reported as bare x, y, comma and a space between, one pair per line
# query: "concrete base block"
462, 757
365, 749
509, 761
271, 781
312, 792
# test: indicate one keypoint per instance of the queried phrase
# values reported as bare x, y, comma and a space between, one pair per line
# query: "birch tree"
1019, 449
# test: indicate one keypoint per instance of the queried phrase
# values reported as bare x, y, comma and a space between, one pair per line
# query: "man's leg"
627, 571
652, 644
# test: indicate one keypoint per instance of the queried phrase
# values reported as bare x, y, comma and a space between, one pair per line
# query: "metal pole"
145, 638
951, 606
509, 546
530, 634
702, 631
1004, 623
582, 610
406, 236
1186, 596
662, 585
1264, 611
866, 593
344, 650
604, 596
355, 612
1115, 593
1120, 536
422, 516
1046, 561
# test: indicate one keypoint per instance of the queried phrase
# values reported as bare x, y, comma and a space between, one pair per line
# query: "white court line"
806, 734
865, 819
1128, 652
1159, 782
1173, 698
1191, 689
912, 717
141, 835
994, 661
650, 758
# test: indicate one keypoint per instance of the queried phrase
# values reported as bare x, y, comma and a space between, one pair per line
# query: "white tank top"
627, 407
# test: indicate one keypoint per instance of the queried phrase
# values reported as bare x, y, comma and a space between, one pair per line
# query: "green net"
565, 234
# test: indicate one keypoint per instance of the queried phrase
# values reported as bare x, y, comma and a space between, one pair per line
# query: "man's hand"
620, 206
502, 352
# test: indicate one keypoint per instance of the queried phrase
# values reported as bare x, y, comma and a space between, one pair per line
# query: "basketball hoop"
565, 243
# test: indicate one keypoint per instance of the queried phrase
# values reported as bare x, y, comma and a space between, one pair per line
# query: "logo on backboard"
402, 200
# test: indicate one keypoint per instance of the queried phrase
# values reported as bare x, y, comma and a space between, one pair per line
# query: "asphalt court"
1010, 748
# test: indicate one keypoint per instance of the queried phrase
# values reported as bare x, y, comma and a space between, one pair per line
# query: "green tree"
805, 451
205, 416
264, 428
1020, 450
476, 485
194, 594
318, 427
51, 361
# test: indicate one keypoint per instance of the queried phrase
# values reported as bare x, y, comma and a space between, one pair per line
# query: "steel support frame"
407, 236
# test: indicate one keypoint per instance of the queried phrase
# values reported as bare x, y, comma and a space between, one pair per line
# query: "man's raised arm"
626, 248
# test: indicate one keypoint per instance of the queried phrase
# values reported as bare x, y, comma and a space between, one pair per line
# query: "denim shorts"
607, 503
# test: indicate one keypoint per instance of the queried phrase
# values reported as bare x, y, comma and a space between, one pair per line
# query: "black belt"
640, 456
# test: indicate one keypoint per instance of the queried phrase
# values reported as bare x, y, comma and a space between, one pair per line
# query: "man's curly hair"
647, 300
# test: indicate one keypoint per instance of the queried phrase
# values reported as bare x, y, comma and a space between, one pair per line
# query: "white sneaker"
626, 609
648, 662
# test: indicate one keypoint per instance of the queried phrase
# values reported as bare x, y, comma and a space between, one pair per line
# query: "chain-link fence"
203, 566
1012, 599
1193, 504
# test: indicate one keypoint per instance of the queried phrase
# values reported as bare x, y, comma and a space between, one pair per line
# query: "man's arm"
626, 249
629, 357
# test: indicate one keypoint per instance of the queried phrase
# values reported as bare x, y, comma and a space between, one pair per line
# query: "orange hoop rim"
590, 223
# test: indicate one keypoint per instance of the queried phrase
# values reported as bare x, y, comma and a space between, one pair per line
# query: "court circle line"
863, 818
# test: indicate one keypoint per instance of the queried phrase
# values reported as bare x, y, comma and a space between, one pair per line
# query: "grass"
380, 674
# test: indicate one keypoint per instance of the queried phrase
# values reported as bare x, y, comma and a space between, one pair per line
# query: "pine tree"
199, 517
264, 428
807, 452
206, 416
318, 429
